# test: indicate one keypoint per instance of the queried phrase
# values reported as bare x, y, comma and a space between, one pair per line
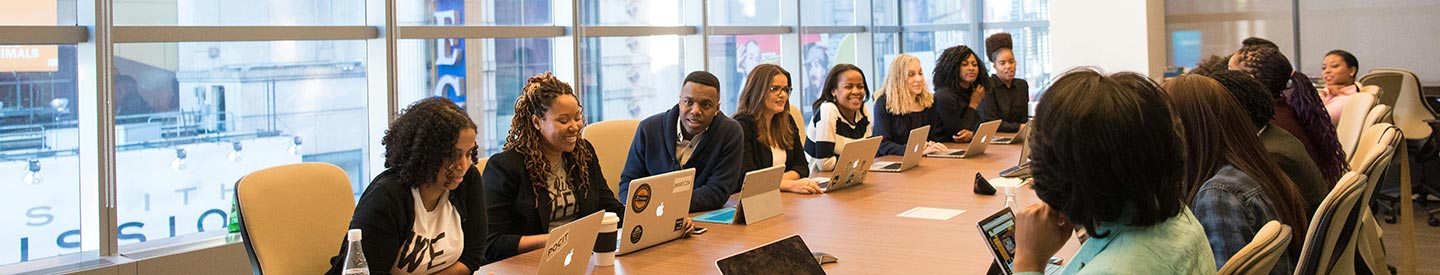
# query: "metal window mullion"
96, 123
750, 30
480, 32
43, 35
832, 29
937, 27
171, 34
622, 31
1014, 24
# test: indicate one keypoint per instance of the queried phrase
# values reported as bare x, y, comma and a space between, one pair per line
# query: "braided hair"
1247, 91
535, 100
419, 143
1284, 83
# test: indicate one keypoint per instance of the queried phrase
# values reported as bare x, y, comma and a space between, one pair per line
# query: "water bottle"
354, 257
1009, 196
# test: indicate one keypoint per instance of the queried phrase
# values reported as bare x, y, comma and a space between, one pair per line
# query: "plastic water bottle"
354, 256
1009, 196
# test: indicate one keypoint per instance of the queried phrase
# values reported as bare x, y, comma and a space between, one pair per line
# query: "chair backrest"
1386, 82
1352, 122
1378, 114
1330, 241
1259, 257
799, 123
1369, 89
611, 139
294, 216
480, 164
1409, 106
1380, 134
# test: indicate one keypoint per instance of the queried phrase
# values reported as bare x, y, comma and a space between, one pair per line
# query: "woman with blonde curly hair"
547, 176
904, 103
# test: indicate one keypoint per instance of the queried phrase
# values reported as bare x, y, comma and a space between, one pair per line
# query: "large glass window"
192, 118
39, 142
238, 13
631, 77
732, 57
927, 46
473, 12
483, 75
630, 12
745, 12
829, 13
937, 11
820, 52
1027, 23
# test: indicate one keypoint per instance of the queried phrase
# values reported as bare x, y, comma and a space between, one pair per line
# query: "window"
238, 13
1027, 21
631, 12
631, 77
820, 52
39, 142
732, 58
482, 75
829, 13
927, 46
745, 12
474, 12
192, 118
937, 11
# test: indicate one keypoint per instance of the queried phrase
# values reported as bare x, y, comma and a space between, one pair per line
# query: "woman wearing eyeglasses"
771, 138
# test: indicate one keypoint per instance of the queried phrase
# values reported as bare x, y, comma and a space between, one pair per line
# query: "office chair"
1352, 122
1259, 257
1329, 246
294, 216
611, 139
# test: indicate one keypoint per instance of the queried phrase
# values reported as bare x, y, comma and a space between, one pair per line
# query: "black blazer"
512, 199
758, 156
952, 114
896, 128
386, 215
1011, 105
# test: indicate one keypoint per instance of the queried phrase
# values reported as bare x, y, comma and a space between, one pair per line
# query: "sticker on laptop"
559, 243
681, 185
636, 233
641, 199
679, 224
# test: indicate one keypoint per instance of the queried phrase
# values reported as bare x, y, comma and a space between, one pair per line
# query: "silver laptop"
853, 165
1022, 168
1017, 139
977, 143
914, 148
759, 199
568, 249
998, 232
657, 206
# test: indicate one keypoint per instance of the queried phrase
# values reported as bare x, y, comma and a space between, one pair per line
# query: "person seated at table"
429, 196
1339, 72
770, 135
840, 116
1006, 98
959, 86
693, 134
1298, 107
1283, 148
903, 105
1124, 192
1231, 183
547, 175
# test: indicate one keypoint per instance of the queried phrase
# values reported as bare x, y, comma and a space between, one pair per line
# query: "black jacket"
386, 215
952, 114
513, 212
758, 156
1011, 105
896, 128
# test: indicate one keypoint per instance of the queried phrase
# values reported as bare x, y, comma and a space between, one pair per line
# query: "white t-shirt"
437, 242
777, 156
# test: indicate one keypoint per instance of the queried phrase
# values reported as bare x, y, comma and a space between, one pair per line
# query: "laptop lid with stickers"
656, 210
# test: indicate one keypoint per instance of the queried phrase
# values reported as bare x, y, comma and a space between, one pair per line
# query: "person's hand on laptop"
689, 228
800, 186
934, 147
963, 136
1040, 232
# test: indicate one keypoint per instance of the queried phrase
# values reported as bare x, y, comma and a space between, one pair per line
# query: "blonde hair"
898, 99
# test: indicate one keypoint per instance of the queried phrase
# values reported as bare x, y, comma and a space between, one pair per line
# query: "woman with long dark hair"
1298, 107
771, 138
840, 116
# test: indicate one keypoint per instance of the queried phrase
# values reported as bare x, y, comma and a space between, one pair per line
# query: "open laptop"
656, 203
565, 242
914, 148
998, 231
759, 199
1021, 169
853, 165
978, 143
783, 256
1017, 139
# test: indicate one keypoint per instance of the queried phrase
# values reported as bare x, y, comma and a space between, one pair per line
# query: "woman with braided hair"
547, 175
1298, 107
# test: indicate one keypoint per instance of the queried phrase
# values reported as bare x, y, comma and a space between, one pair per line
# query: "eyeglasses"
778, 88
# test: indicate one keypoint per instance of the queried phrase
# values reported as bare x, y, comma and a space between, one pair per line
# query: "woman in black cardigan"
904, 103
547, 176
771, 138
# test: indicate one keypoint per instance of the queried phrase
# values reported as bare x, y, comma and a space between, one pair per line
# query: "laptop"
1021, 169
759, 199
977, 143
1017, 139
914, 148
998, 231
656, 203
559, 256
783, 256
853, 165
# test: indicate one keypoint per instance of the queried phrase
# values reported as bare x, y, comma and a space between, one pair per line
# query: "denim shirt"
1232, 208
1175, 246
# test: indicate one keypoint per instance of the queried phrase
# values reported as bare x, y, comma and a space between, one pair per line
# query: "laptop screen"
784, 256
999, 233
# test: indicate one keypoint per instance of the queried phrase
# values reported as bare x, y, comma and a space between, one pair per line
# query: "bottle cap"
353, 235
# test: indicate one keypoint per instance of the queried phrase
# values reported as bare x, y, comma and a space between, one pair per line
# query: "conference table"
858, 225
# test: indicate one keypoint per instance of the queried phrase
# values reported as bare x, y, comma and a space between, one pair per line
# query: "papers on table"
930, 213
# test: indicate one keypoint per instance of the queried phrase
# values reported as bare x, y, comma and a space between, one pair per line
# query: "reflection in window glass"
39, 144
486, 88
1017, 10
1198, 29
820, 52
239, 13
927, 46
1032, 56
828, 12
745, 12
630, 12
192, 118
938, 11
631, 77
732, 57
473, 12
887, 45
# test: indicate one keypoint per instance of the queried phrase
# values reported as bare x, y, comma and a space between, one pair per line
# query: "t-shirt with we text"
437, 239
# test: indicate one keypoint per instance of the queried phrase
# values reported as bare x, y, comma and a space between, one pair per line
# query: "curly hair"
535, 100
947, 70
419, 143
1212, 64
1284, 83
777, 131
1251, 95
996, 42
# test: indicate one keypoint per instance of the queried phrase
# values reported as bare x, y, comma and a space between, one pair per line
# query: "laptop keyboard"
1053, 269
892, 166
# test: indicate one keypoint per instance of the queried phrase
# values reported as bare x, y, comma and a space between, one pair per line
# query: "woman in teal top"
1102, 163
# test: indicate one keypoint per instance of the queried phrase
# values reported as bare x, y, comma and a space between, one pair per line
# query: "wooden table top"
858, 225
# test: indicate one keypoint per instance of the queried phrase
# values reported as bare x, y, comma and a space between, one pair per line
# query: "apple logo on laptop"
985, 139
568, 255
916, 149
660, 210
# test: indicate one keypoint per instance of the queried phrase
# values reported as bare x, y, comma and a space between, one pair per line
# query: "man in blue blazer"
693, 134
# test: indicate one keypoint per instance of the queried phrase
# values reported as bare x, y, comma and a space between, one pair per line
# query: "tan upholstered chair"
1329, 246
799, 123
1408, 105
294, 217
611, 139
1386, 139
1259, 257
480, 165
1352, 121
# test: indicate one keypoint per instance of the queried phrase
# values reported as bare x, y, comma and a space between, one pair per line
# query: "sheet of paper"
1002, 182
930, 213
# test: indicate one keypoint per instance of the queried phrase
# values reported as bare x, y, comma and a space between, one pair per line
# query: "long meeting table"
857, 224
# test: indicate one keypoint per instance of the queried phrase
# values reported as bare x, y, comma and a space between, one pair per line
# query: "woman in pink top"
1339, 74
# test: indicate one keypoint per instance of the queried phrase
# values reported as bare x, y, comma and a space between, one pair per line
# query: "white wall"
1113, 35
1383, 33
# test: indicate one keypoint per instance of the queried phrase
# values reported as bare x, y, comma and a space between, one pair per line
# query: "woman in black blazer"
547, 176
771, 137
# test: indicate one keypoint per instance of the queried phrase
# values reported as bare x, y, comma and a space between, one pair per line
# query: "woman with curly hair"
1007, 98
425, 214
771, 137
1298, 107
959, 86
903, 104
547, 176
